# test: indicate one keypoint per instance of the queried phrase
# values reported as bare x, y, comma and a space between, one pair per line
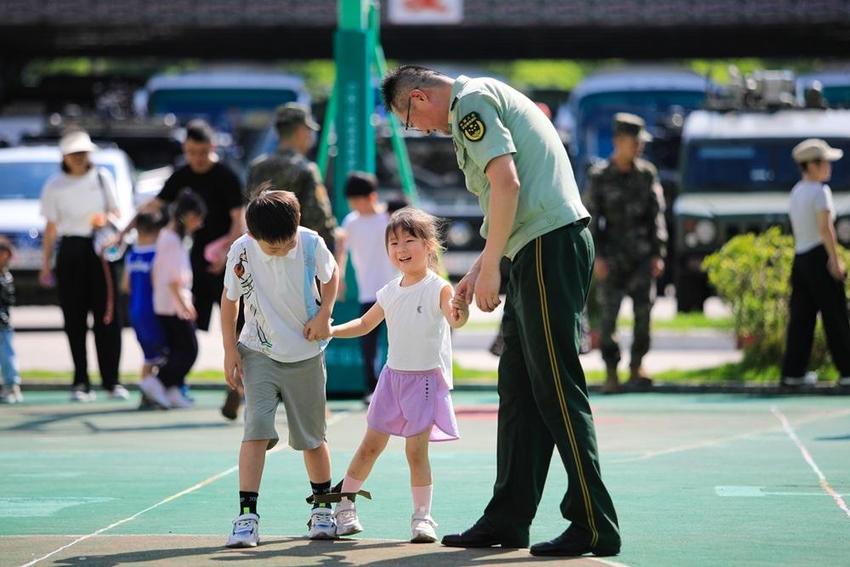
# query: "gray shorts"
301, 388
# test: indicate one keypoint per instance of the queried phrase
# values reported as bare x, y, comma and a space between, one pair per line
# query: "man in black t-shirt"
221, 191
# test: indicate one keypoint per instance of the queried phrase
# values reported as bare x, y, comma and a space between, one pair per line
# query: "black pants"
182, 350
813, 291
543, 402
82, 288
369, 350
206, 292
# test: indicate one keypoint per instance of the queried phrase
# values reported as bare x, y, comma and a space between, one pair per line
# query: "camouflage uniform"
289, 170
628, 224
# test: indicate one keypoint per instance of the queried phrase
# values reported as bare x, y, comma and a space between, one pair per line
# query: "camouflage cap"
294, 113
631, 125
815, 149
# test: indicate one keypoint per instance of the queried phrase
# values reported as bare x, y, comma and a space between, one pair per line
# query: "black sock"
320, 488
247, 502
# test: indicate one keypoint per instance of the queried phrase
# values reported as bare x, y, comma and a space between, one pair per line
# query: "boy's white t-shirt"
365, 237
419, 335
808, 198
272, 288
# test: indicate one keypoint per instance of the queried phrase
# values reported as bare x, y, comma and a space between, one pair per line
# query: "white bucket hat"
76, 142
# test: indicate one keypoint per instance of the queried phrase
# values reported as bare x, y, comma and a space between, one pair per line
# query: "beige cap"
815, 149
631, 125
294, 113
76, 142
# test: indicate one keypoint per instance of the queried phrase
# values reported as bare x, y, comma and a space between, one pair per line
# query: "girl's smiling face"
408, 253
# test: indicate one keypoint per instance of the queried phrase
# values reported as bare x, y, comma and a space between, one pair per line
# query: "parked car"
23, 173
737, 174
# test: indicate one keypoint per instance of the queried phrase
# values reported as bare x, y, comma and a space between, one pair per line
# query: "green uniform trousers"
543, 400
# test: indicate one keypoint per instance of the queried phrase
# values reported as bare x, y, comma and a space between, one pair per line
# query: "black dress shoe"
573, 543
482, 534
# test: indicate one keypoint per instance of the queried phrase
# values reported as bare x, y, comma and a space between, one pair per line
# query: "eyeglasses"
407, 119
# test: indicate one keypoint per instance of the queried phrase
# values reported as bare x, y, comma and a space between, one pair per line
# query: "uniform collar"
457, 87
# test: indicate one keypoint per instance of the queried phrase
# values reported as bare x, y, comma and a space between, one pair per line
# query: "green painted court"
697, 480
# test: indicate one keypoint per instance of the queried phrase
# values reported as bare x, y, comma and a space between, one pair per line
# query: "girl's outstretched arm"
455, 309
360, 326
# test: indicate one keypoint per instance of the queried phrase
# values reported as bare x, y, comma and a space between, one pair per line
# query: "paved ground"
47, 348
729, 480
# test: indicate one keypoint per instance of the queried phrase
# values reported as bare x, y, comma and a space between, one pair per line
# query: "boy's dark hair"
273, 215
198, 130
187, 202
804, 166
360, 184
394, 205
149, 223
404, 79
6, 245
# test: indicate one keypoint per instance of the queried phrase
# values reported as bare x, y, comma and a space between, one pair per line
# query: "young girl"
172, 299
412, 398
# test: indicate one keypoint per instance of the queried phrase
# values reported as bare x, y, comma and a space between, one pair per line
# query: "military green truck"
737, 173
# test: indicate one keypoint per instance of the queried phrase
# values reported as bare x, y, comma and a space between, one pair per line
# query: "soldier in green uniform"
626, 203
288, 168
514, 161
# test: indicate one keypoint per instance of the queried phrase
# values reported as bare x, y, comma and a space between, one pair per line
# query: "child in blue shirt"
137, 274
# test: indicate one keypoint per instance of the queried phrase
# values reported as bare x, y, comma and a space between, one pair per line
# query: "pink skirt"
406, 403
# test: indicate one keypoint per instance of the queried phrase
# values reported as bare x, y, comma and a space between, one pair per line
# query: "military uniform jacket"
489, 119
290, 171
627, 210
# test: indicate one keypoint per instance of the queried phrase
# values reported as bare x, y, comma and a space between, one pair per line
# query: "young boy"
279, 354
363, 230
11, 393
138, 284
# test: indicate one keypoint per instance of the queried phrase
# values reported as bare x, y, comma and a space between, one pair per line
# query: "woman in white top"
75, 202
818, 274
412, 398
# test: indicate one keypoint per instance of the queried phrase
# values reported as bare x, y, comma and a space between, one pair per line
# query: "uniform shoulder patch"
472, 126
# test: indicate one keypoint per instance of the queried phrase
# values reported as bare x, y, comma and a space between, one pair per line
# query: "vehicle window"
749, 166
837, 97
24, 180
222, 108
596, 114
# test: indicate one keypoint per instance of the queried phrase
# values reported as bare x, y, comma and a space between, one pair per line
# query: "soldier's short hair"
199, 131
360, 184
402, 80
273, 215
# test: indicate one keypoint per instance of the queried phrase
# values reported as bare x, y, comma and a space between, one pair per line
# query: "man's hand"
600, 269
46, 279
318, 328
836, 268
656, 267
466, 286
233, 368
487, 289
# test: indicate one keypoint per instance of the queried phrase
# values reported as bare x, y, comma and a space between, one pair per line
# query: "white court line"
721, 440
824, 484
334, 419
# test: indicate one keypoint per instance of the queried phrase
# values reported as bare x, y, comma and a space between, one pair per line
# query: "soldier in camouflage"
626, 202
289, 169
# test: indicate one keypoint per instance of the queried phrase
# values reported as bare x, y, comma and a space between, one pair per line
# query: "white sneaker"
82, 396
322, 524
12, 395
347, 522
153, 389
176, 399
809, 379
422, 529
246, 531
119, 392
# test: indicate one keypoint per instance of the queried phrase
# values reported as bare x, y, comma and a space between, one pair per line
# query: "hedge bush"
752, 272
